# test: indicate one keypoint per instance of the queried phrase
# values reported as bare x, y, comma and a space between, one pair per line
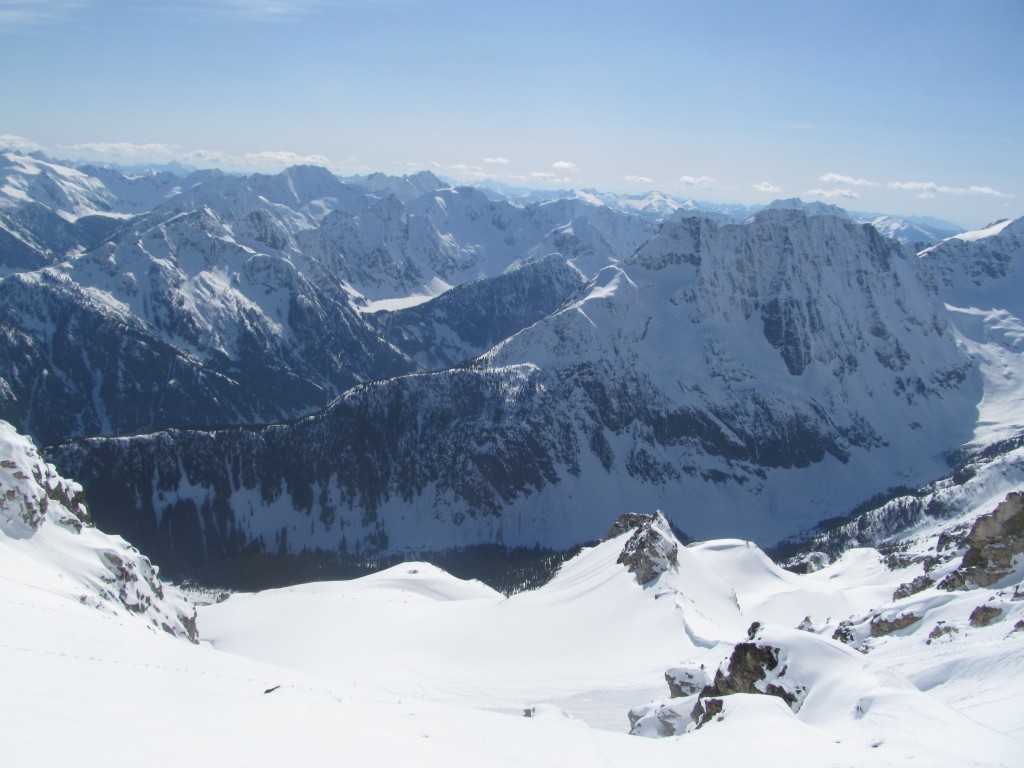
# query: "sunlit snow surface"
412, 666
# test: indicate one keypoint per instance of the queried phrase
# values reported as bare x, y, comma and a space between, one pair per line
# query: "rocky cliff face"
43, 518
995, 547
650, 550
980, 269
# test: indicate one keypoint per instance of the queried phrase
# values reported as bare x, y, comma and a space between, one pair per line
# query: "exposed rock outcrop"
686, 680
984, 615
753, 667
44, 512
651, 550
919, 584
669, 718
940, 630
882, 626
993, 543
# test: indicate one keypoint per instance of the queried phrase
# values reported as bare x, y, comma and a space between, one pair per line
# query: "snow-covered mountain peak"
813, 208
303, 186
992, 229
980, 269
65, 190
909, 229
405, 188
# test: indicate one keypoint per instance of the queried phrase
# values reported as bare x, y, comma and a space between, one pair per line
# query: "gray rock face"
752, 668
45, 513
686, 681
651, 550
881, 626
993, 543
918, 584
984, 615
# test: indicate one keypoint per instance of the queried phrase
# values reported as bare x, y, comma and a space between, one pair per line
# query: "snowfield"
412, 666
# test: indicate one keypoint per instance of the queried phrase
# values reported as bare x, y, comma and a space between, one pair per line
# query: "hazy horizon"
903, 108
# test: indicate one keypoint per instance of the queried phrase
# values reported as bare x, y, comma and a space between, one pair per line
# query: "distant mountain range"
289, 362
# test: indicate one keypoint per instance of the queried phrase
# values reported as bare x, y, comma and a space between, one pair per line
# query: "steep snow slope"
909, 230
469, 319
979, 276
67, 191
48, 544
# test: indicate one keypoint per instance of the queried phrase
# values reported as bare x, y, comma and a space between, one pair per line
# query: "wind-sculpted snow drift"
748, 379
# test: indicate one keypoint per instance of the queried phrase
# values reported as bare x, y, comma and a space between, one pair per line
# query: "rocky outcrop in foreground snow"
651, 550
994, 542
45, 527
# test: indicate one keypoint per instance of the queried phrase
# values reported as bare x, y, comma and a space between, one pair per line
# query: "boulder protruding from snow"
993, 543
651, 550
686, 680
754, 668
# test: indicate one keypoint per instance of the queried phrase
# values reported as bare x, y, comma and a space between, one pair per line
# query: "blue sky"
904, 106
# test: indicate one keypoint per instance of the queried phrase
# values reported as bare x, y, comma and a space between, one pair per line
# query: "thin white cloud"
850, 181
124, 150
767, 186
461, 170
15, 13
265, 7
267, 161
563, 165
638, 179
986, 191
497, 160
544, 176
265, 10
281, 158
914, 186
18, 143
931, 188
849, 194
703, 182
